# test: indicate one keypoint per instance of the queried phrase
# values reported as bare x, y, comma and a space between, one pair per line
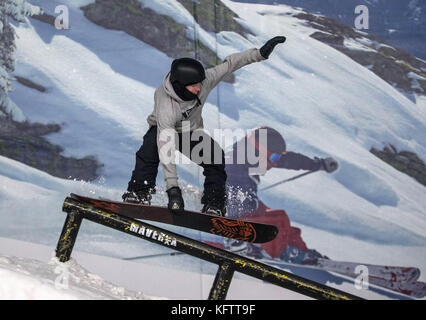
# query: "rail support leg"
68, 236
221, 282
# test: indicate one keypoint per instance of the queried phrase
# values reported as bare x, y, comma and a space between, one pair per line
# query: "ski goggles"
273, 158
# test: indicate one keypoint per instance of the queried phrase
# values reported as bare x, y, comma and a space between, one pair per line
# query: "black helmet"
274, 139
187, 71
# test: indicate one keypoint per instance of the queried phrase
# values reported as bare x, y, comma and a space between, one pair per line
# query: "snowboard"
226, 227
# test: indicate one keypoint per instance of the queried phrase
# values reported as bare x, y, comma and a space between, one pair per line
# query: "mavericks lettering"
150, 233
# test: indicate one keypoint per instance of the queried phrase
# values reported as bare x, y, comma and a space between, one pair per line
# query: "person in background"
244, 203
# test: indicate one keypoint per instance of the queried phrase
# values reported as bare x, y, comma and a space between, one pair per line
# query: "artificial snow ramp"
28, 279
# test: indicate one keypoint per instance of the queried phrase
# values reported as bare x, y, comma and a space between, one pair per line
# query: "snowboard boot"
213, 209
214, 202
140, 197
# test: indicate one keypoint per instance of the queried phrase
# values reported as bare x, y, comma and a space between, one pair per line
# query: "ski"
237, 229
402, 280
388, 273
412, 288
405, 283
416, 289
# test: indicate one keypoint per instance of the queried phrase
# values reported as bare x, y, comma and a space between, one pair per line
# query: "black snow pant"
147, 160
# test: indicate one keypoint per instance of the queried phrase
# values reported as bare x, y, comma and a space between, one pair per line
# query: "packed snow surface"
28, 279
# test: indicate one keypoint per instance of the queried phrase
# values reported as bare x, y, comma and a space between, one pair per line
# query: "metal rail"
228, 262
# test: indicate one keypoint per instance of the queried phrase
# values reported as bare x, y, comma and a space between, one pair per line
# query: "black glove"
327, 164
176, 203
266, 50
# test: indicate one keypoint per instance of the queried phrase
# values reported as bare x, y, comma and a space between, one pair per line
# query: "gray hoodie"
169, 109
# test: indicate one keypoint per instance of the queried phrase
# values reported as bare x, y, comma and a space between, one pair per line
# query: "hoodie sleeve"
166, 133
231, 63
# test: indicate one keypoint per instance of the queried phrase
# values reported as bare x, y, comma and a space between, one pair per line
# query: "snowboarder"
243, 201
178, 104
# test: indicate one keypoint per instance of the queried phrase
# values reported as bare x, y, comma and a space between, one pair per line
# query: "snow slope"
36, 275
100, 86
27, 279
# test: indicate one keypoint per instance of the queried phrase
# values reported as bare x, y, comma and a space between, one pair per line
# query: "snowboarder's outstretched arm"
238, 60
231, 63
297, 161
